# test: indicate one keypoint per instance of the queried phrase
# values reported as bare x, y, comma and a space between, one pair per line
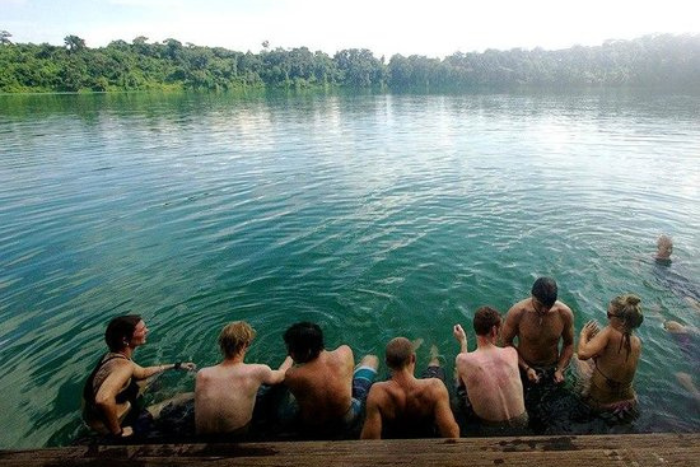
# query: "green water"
374, 215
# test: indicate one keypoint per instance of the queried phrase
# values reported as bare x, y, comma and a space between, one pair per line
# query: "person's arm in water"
567, 350
372, 428
444, 418
592, 341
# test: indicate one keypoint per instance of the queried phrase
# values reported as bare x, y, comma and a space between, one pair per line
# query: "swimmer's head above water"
664, 246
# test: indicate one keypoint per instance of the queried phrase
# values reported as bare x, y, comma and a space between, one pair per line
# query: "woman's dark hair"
121, 329
545, 290
304, 341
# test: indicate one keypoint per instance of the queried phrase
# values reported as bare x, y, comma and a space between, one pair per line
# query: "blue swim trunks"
362, 380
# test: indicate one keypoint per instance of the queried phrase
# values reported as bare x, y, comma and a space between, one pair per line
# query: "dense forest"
650, 61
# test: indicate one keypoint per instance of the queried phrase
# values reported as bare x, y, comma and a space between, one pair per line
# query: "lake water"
373, 215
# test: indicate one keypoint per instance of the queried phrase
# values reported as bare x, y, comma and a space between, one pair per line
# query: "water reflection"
375, 215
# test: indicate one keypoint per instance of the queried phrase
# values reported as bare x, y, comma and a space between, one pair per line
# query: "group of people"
329, 393
529, 349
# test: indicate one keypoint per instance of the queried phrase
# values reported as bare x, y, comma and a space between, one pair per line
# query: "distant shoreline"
658, 61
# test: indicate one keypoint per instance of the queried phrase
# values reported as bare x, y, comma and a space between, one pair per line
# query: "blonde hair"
628, 309
234, 337
664, 240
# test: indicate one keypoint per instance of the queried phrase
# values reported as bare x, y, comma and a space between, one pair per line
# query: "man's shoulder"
564, 310
343, 351
518, 309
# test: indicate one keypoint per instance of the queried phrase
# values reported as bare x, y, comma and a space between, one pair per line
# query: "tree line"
669, 61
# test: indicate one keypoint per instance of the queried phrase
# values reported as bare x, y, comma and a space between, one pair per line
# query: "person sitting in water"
688, 339
407, 407
329, 390
539, 323
225, 394
490, 375
112, 390
607, 358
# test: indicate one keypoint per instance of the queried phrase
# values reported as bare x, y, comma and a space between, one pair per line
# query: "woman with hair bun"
607, 358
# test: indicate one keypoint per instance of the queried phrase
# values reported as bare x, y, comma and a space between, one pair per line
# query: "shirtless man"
490, 373
539, 323
225, 394
407, 407
329, 393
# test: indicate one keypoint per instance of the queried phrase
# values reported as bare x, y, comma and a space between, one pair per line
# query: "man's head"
304, 341
486, 321
399, 353
120, 331
664, 247
544, 290
234, 337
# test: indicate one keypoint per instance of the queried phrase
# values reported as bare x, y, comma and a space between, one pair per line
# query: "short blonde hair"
234, 337
664, 241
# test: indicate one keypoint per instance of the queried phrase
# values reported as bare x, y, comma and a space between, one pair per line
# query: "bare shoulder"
509, 353
343, 354
259, 369
565, 312
343, 351
465, 359
517, 310
437, 387
204, 375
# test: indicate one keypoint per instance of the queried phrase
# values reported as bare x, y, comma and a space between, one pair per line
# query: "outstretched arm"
277, 376
143, 373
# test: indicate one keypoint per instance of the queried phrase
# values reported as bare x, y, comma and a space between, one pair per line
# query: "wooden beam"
647, 450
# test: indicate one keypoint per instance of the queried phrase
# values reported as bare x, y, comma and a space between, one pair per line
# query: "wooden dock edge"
640, 450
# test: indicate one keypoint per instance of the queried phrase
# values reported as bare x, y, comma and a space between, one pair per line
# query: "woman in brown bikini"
607, 358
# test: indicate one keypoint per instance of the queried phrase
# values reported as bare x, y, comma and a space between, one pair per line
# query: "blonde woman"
607, 358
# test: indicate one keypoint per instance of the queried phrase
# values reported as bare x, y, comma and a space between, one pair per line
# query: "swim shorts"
362, 380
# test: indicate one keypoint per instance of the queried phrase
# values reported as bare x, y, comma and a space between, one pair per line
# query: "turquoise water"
374, 215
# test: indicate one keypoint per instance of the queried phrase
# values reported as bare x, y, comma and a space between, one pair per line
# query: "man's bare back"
407, 407
323, 386
493, 382
225, 395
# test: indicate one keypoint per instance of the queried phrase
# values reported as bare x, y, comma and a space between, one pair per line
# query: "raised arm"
461, 337
372, 428
592, 342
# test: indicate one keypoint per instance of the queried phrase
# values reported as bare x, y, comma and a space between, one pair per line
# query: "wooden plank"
651, 450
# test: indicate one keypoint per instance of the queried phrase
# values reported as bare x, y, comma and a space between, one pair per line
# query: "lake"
374, 215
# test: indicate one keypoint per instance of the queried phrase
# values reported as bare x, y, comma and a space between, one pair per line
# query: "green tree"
5, 38
74, 43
